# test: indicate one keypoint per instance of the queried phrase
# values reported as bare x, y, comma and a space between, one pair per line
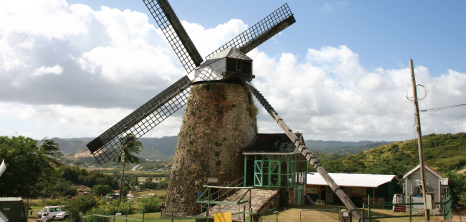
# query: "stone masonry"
218, 123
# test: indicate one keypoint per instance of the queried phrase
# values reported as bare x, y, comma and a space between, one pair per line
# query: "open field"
330, 213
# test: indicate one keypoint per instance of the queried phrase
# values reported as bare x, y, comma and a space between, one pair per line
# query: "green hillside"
444, 152
341, 147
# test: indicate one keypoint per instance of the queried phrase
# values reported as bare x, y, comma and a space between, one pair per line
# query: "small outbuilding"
13, 209
357, 187
436, 187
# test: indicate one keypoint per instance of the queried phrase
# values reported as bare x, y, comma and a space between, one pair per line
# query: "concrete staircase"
400, 208
259, 200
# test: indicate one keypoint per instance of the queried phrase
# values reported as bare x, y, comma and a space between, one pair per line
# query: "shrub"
81, 204
149, 205
54, 202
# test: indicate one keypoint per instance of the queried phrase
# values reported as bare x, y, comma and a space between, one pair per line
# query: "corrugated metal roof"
273, 143
351, 180
11, 199
439, 175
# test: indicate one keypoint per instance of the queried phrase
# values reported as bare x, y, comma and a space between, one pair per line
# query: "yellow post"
222, 217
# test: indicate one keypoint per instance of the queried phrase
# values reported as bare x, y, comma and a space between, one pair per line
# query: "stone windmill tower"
220, 116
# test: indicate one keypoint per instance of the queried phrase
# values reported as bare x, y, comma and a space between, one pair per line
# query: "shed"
380, 188
273, 162
14, 208
436, 185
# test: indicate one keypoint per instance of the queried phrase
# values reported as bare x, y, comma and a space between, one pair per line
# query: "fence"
368, 213
445, 207
143, 217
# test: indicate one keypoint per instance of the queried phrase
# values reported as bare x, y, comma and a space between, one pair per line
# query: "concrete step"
258, 198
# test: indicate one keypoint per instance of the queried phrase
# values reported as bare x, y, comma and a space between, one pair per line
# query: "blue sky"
73, 68
384, 33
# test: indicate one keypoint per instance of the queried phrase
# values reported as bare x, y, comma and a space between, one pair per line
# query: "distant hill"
443, 152
159, 148
71, 145
342, 148
154, 148
163, 148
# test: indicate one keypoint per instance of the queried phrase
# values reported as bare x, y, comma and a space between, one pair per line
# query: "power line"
447, 115
442, 108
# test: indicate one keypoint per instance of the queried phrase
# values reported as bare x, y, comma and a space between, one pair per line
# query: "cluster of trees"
149, 184
34, 170
445, 152
90, 205
77, 175
34, 163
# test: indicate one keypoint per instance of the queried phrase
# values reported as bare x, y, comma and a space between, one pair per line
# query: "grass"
330, 213
148, 216
157, 192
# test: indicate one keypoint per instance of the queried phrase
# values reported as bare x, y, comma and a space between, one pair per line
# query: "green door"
258, 175
274, 173
300, 193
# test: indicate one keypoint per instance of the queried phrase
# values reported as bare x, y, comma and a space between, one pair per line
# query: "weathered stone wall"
218, 123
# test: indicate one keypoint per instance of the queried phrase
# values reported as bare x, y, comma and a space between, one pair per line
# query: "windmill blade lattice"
269, 26
302, 148
141, 121
175, 33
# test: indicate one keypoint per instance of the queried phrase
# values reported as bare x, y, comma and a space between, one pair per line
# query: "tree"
81, 204
27, 165
457, 182
48, 153
58, 187
128, 145
101, 190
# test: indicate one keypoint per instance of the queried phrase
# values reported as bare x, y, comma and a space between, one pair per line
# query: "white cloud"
333, 6
208, 40
47, 70
39, 17
93, 67
330, 95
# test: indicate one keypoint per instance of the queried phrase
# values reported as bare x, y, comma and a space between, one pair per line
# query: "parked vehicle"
62, 216
52, 211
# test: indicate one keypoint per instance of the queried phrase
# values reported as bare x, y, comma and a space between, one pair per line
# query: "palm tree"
128, 145
48, 152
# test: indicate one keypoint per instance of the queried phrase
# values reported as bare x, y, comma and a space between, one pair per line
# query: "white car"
52, 211
62, 216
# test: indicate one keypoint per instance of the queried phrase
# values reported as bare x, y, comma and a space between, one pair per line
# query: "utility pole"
419, 141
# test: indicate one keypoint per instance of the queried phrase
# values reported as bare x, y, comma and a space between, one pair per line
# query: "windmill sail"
149, 115
302, 148
175, 33
139, 122
274, 23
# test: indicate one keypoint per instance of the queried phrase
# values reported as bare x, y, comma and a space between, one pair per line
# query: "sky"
73, 68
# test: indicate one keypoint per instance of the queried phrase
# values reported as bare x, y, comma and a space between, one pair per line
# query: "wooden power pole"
419, 140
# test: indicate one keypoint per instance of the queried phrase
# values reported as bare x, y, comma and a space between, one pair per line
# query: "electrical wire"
442, 108
446, 115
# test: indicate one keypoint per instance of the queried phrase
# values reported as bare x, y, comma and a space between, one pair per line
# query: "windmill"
227, 63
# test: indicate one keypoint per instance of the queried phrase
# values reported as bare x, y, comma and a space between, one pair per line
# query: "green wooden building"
273, 162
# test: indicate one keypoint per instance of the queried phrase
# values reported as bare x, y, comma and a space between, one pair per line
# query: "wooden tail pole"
303, 149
